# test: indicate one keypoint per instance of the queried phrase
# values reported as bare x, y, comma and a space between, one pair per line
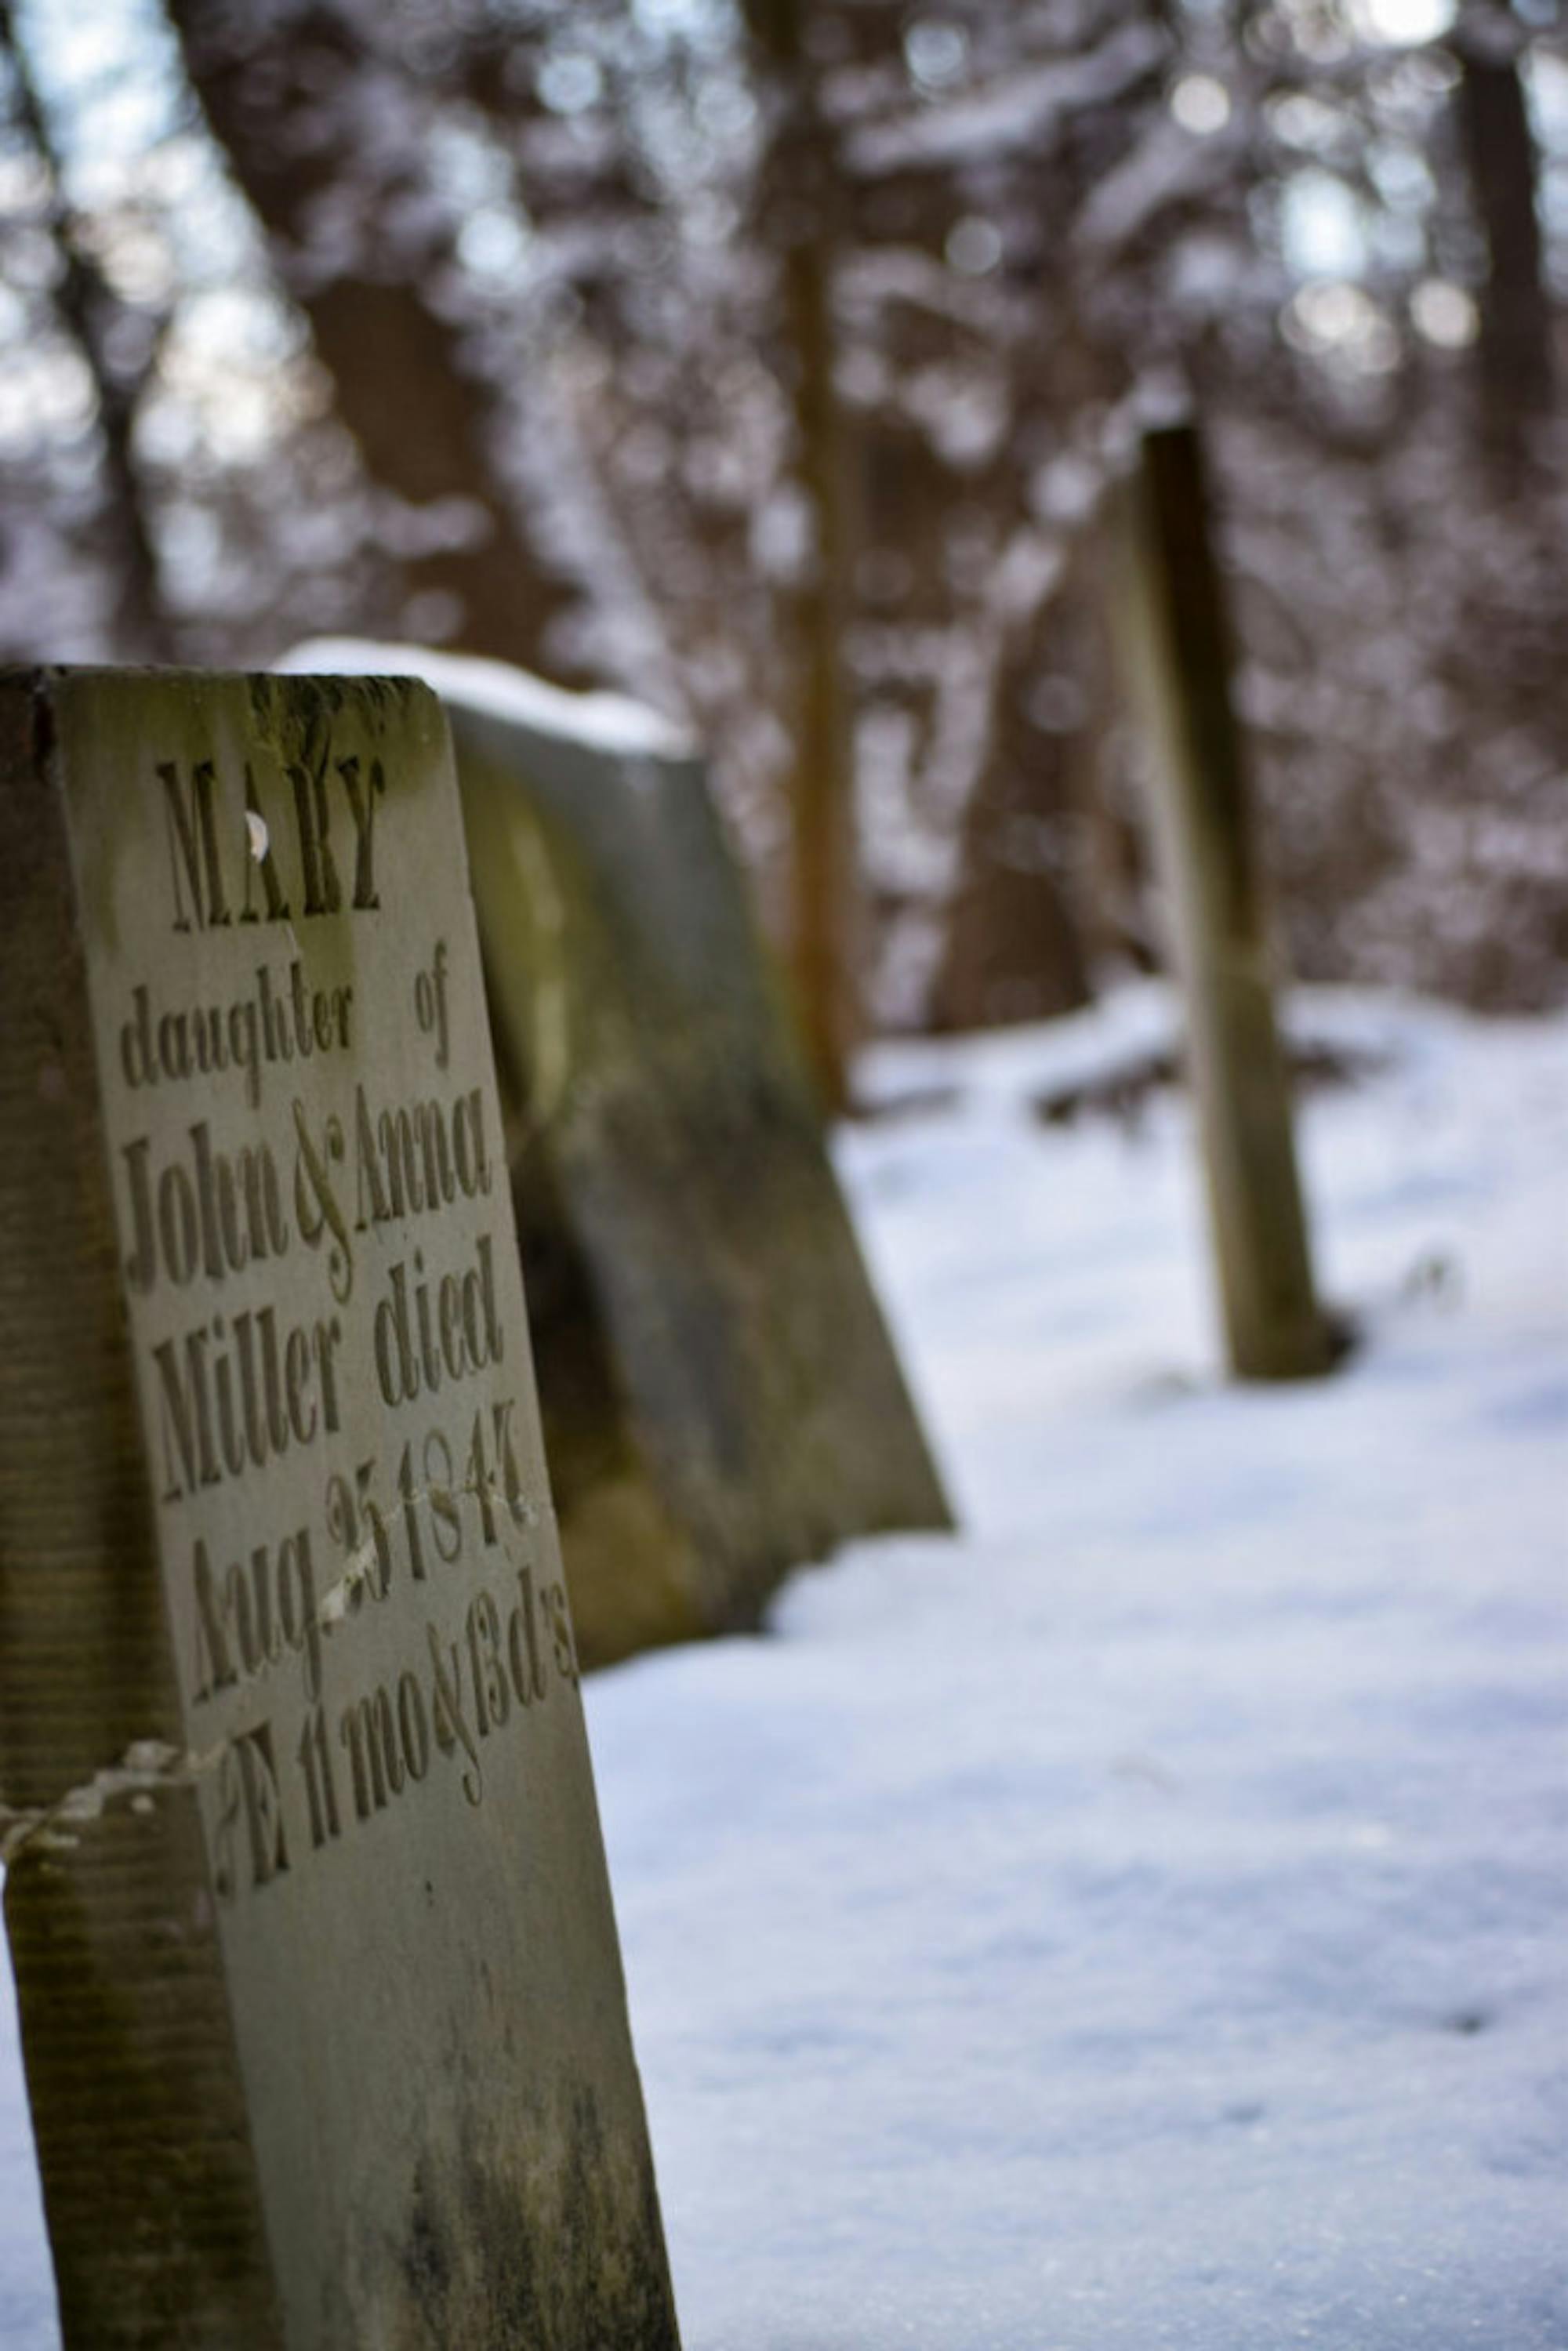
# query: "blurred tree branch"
292, 100
139, 619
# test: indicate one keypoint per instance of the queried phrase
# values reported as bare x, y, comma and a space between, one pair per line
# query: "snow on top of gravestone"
607, 722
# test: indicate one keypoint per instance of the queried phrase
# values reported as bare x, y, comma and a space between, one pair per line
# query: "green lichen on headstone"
720, 1395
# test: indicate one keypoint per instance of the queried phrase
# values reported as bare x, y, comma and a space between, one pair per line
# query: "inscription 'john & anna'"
207, 1212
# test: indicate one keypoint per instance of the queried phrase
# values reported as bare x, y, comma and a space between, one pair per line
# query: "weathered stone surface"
321, 2007
721, 1400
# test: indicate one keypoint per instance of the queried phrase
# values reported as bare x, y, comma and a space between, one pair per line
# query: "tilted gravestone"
322, 2015
721, 1399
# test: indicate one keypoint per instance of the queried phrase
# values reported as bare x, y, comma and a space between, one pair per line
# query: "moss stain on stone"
575, 2263
720, 1396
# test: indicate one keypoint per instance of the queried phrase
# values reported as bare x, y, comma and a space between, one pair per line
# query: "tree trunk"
423, 421
1515, 349
139, 625
1015, 948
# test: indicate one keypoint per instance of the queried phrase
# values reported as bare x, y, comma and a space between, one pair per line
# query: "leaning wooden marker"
1177, 649
322, 2014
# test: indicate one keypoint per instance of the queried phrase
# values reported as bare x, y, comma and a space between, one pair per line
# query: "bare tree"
326, 140
1515, 342
139, 627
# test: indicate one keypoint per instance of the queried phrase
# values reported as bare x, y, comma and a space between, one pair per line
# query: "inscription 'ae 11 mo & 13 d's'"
321, 2007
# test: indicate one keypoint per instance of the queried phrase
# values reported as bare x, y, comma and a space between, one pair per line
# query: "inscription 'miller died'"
402, 2041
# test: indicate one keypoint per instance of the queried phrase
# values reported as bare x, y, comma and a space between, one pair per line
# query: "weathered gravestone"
322, 2014
721, 1400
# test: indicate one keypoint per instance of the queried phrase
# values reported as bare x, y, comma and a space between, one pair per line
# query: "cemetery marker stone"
1177, 642
322, 2013
721, 1400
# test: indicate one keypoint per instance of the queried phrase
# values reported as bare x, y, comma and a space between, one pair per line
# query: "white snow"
1139, 1922
607, 722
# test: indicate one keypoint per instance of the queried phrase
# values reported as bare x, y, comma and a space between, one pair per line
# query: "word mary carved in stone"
321, 2007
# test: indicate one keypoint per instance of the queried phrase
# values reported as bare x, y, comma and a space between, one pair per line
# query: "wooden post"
803, 208
1175, 640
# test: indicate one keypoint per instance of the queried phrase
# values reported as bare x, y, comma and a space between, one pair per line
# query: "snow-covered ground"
1143, 1920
